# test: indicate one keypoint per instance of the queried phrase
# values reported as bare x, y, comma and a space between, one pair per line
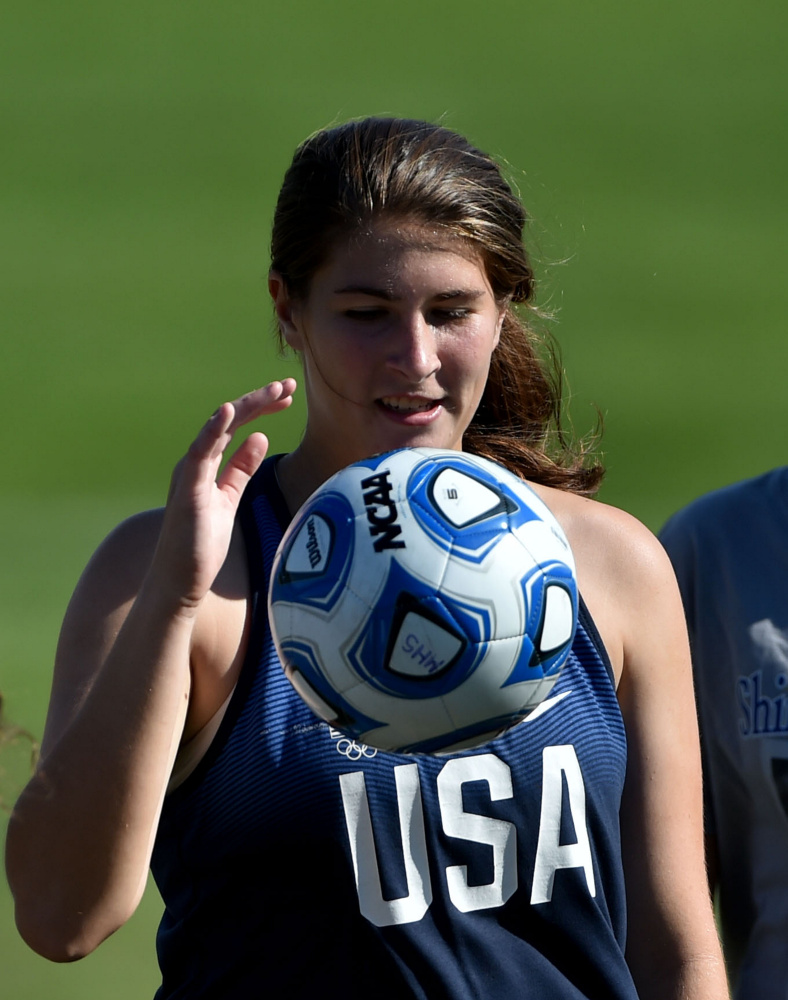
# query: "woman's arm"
80, 837
673, 949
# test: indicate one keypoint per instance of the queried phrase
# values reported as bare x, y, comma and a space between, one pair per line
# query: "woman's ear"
286, 311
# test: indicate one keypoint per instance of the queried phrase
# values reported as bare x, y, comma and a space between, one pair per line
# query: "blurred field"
142, 149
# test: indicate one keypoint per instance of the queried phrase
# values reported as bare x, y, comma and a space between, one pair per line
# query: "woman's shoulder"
123, 558
622, 569
607, 534
116, 569
136, 535
114, 577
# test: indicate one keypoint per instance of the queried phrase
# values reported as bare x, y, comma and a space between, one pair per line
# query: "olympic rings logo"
349, 748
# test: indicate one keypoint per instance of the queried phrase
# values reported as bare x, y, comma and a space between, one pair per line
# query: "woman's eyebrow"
378, 293
470, 294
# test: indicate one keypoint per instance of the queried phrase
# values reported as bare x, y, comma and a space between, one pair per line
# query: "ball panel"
330, 713
310, 550
558, 619
464, 500
421, 646
326, 703
315, 562
407, 721
301, 629
545, 543
455, 494
511, 690
490, 592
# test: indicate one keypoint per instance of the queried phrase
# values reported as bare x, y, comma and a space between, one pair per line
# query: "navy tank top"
296, 862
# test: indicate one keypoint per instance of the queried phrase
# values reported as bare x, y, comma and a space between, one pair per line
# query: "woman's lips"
410, 409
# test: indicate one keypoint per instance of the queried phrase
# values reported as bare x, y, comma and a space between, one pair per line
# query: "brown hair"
342, 177
11, 738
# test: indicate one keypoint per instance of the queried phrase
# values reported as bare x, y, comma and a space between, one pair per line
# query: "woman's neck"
300, 473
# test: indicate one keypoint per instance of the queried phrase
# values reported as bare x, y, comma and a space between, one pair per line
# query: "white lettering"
379, 911
499, 834
558, 763
563, 799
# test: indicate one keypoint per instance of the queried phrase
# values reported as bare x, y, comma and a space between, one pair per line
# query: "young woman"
562, 860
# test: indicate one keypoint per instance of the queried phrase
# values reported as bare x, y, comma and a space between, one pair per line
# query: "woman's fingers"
269, 398
213, 436
216, 434
246, 461
242, 465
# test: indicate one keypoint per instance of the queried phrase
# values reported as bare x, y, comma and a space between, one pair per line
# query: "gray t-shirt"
730, 552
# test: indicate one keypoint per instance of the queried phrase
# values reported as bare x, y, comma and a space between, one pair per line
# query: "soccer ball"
423, 600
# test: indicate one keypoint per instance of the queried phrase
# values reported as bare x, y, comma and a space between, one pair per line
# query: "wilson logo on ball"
311, 549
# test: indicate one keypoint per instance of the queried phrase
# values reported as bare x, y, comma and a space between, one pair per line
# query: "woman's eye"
370, 313
450, 315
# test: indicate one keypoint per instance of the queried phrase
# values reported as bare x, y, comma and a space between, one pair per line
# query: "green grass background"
142, 146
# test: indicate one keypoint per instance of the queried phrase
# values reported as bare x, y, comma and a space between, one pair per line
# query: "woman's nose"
414, 348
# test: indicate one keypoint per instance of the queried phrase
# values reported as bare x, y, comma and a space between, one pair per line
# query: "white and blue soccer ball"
423, 600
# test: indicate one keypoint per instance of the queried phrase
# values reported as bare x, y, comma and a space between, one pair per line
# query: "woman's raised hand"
202, 502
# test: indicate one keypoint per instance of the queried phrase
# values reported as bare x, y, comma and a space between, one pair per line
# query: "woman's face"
396, 336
